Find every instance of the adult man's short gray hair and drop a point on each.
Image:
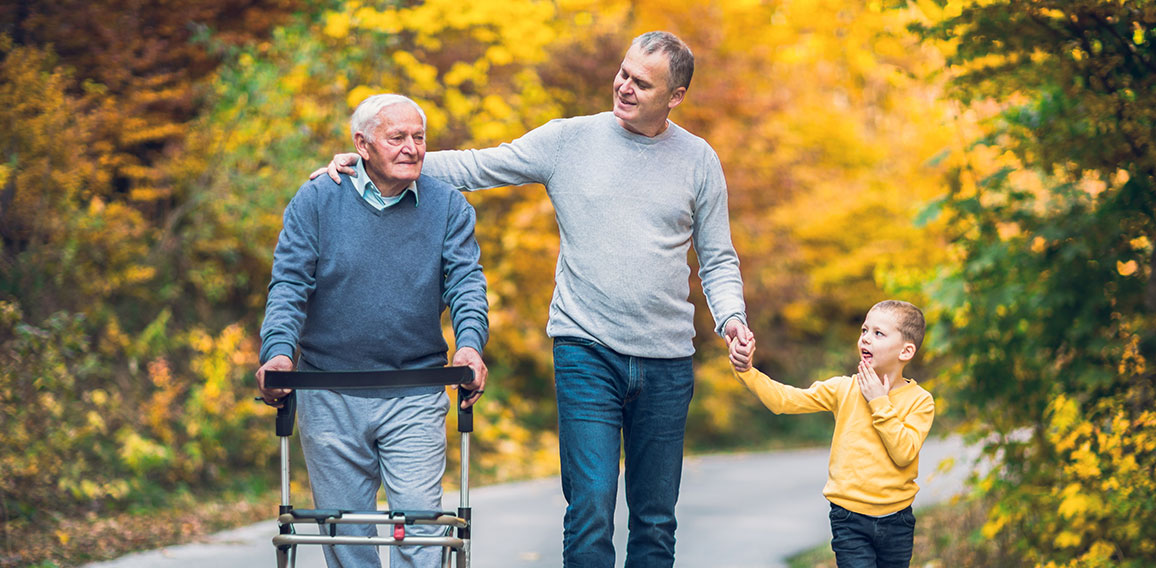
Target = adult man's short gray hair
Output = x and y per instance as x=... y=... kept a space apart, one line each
x=678 y=55
x=365 y=118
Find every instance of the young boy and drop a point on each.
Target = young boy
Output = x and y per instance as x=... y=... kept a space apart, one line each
x=881 y=420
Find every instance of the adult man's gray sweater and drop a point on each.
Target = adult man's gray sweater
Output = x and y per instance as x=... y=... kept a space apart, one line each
x=628 y=208
x=357 y=288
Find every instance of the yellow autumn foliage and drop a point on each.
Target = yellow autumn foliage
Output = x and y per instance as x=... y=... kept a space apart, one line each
x=137 y=256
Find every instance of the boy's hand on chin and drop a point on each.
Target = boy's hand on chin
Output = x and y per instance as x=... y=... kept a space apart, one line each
x=870 y=384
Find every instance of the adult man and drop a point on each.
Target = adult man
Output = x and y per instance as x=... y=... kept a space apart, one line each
x=631 y=191
x=361 y=275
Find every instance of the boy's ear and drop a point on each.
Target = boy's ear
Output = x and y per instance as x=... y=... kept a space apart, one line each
x=907 y=353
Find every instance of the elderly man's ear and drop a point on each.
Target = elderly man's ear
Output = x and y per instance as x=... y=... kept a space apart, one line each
x=361 y=144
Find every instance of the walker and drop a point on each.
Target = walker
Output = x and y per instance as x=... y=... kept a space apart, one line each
x=455 y=549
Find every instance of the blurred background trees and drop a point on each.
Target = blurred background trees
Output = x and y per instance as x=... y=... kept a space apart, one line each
x=991 y=161
x=118 y=363
x=1048 y=313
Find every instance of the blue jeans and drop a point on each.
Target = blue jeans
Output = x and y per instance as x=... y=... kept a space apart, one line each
x=862 y=541
x=604 y=397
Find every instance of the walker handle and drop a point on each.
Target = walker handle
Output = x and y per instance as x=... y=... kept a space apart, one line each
x=286 y=415
x=465 y=415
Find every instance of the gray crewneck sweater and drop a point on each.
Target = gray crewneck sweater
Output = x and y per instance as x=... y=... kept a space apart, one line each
x=628 y=209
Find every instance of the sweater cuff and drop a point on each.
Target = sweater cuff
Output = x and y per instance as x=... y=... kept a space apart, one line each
x=276 y=349
x=470 y=338
x=722 y=329
x=880 y=404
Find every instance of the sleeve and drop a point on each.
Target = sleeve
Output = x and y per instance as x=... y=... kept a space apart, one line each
x=293 y=279
x=465 y=284
x=785 y=399
x=528 y=159
x=722 y=283
x=902 y=437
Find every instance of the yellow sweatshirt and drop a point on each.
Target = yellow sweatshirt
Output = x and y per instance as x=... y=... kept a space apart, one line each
x=875 y=448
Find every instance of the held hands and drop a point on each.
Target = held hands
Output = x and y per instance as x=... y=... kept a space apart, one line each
x=870 y=384
x=274 y=397
x=741 y=343
x=469 y=357
x=341 y=164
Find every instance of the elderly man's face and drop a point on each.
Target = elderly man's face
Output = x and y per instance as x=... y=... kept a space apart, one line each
x=395 y=156
x=642 y=95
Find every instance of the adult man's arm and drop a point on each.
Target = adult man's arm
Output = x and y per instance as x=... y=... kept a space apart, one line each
x=528 y=159
x=722 y=282
x=465 y=293
x=291 y=285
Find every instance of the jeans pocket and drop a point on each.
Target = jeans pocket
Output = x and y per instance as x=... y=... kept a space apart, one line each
x=839 y=514
x=907 y=517
x=579 y=341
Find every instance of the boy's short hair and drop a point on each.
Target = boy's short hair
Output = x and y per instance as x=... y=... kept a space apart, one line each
x=908 y=316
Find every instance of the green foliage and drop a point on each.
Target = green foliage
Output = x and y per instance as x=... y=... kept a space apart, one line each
x=128 y=436
x=43 y=371
x=1086 y=71
x=1050 y=311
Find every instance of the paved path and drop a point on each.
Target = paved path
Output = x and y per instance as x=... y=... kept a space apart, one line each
x=741 y=510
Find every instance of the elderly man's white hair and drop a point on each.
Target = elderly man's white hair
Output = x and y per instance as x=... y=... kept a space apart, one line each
x=365 y=118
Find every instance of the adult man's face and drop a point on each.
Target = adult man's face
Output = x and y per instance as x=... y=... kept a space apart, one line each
x=394 y=158
x=642 y=95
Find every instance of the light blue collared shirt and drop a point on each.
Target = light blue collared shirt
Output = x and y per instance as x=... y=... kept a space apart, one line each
x=369 y=192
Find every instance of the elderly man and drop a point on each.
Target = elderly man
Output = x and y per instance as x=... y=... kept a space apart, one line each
x=632 y=191
x=361 y=275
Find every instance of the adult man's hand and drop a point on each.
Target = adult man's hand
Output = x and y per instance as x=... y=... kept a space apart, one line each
x=740 y=343
x=341 y=164
x=736 y=330
x=741 y=354
x=274 y=397
x=469 y=357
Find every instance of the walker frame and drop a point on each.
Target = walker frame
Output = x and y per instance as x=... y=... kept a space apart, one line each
x=455 y=548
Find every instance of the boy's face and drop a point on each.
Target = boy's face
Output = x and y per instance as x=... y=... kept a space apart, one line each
x=881 y=345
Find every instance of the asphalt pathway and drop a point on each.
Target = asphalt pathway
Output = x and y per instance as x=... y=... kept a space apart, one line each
x=735 y=510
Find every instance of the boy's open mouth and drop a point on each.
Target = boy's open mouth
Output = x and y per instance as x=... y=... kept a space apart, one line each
x=865 y=354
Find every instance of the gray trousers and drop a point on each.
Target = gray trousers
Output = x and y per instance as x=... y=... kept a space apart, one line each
x=353 y=444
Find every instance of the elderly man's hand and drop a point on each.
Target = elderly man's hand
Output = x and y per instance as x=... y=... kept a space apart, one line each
x=341 y=164
x=274 y=397
x=469 y=357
